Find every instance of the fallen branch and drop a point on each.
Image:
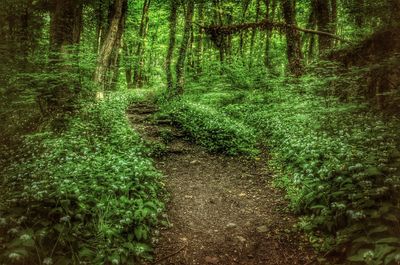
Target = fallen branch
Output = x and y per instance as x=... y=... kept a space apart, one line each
x=222 y=30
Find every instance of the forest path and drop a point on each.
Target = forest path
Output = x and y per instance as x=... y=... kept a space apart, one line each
x=223 y=210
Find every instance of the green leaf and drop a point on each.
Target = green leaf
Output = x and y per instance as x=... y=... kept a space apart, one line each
x=86 y=253
x=378 y=229
x=359 y=256
x=141 y=232
x=392 y=257
x=362 y=239
x=372 y=172
x=382 y=250
x=391 y=217
x=388 y=240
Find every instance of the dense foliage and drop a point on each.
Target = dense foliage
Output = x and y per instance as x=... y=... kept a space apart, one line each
x=89 y=194
x=212 y=130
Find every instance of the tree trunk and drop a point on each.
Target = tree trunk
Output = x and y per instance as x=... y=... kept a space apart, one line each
x=139 y=55
x=334 y=14
x=322 y=15
x=228 y=39
x=245 y=7
x=171 y=46
x=180 y=65
x=293 y=42
x=128 y=70
x=65 y=24
x=111 y=43
x=65 y=30
x=199 y=40
x=395 y=13
x=220 y=41
x=359 y=13
x=115 y=58
x=311 y=24
x=254 y=33
x=269 y=15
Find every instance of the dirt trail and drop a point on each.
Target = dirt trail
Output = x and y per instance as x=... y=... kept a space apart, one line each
x=223 y=210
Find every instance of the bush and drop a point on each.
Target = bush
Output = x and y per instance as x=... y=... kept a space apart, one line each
x=89 y=194
x=216 y=132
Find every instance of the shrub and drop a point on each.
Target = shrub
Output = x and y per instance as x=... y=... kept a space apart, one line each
x=216 y=132
x=89 y=194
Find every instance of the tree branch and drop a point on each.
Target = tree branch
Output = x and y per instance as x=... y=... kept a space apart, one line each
x=215 y=31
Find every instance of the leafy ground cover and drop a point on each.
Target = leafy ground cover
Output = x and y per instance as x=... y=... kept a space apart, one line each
x=218 y=133
x=89 y=194
x=339 y=162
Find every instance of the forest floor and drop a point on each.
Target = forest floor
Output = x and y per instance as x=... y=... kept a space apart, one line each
x=222 y=210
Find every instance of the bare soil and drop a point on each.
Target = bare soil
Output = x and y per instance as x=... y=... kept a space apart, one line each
x=222 y=210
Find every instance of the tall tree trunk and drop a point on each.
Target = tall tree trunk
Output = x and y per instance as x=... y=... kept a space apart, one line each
x=115 y=58
x=191 y=54
x=65 y=30
x=322 y=15
x=245 y=7
x=359 y=13
x=217 y=20
x=172 y=40
x=24 y=34
x=269 y=15
x=254 y=33
x=180 y=64
x=334 y=17
x=311 y=24
x=293 y=42
x=139 y=55
x=111 y=43
x=152 y=62
x=100 y=25
x=395 y=13
x=228 y=39
x=128 y=69
x=65 y=24
x=199 y=40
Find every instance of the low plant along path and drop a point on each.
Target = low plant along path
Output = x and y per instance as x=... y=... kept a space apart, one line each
x=222 y=210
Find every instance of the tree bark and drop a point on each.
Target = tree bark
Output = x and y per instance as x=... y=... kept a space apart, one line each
x=171 y=46
x=65 y=31
x=359 y=13
x=269 y=16
x=310 y=40
x=293 y=43
x=199 y=40
x=395 y=13
x=180 y=65
x=128 y=70
x=111 y=43
x=115 y=58
x=245 y=7
x=322 y=15
x=254 y=33
x=139 y=55
x=219 y=40
x=65 y=24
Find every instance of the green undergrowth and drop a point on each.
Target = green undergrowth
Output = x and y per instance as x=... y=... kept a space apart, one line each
x=339 y=162
x=213 y=130
x=87 y=196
